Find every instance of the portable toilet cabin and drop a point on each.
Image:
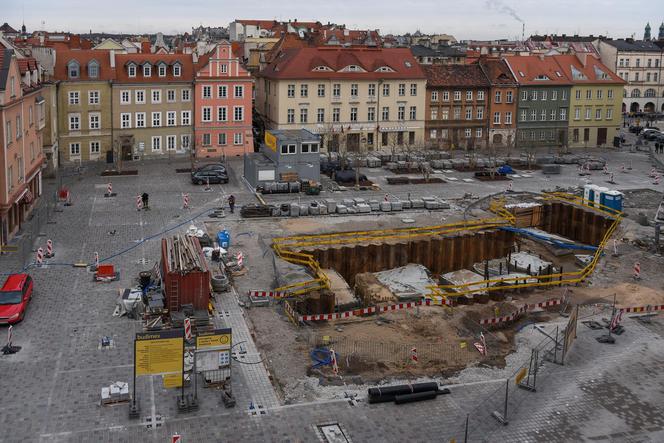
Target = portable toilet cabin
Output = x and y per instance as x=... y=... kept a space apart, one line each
x=612 y=199
x=590 y=194
x=599 y=196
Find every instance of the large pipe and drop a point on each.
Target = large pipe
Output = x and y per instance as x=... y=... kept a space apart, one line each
x=388 y=393
x=418 y=396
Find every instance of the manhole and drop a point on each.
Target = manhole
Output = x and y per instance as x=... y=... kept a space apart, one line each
x=332 y=433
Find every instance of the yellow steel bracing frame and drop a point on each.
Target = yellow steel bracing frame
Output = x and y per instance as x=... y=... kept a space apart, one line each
x=542 y=280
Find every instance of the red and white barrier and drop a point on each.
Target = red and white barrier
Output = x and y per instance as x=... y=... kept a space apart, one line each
x=49 y=248
x=648 y=308
x=521 y=310
x=40 y=256
x=364 y=311
x=333 y=358
x=96 y=259
x=653 y=172
x=413 y=354
x=109 y=189
x=185 y=201
x=9 y=336
x=187 y=328
x=637 y=270
x=139 y=202
x=657 y=179
x=272 y=294
x=239 y=258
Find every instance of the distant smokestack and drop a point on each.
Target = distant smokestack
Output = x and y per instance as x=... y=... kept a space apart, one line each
x=523 y=32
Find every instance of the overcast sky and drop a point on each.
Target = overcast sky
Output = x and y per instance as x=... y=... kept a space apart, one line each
x=468 y=19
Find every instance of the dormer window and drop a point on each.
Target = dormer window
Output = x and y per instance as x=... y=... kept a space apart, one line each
x=161 y=69
x=177 y=70
x=93 y=69
x=542 y=77
x=73 y=69
x=353 y=68
x=131 y=69
x=147 y=70
x=322 y=68
x=384 y=69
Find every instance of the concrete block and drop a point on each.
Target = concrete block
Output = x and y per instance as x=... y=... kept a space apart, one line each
x=442 y=204
x=363 y=208
x=322 y=208
x=385 y=206
x=375 y=205
x=294 y=210
x=314 y=210
x=342 y=209
x=347 y=202
x=352 y=209
x=407 y=204
x=358 y=200
x=417 y=203
x=431 y=204
x=396 y=205
x=331 y=205
x=304 y=210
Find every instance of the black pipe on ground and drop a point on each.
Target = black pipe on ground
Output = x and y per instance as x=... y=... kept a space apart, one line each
x=391 y=391
x=417 y=396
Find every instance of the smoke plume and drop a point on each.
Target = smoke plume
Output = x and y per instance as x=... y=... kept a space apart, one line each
x=499 y=6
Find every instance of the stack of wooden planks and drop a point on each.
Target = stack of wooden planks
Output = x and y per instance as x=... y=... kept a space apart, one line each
x=182 y=254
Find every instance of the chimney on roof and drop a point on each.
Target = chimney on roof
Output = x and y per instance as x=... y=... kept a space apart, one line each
x=75 y=41
x=541 y=57
x=145 y=47
x=111 y=54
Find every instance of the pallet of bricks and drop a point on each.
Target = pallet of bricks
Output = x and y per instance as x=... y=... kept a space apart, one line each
x=288 y=177
x=527 y=215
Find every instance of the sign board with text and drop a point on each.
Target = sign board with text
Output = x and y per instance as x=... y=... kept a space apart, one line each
x=159 y=352
x=216 y=339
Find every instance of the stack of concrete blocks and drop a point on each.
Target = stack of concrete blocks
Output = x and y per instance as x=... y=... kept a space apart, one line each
x=417 y=203
x=342 y=209
x=322 y=208
x=117 y=392
x=406 y=204
x=314 y=208
x=331 y=206
x=385 y=206
x=374 y=205
x=294 y=210
x=373 y=162
x=396 y=205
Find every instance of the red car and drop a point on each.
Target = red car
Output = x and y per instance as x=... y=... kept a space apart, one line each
x=15 y=295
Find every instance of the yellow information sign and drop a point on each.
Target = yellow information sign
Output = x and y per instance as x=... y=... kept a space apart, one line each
x=270 y=141
x=172 y=380
x=217 y=339
x=521 y=375
x=159 y=352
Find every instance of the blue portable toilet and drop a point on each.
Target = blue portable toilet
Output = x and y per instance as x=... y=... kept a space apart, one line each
x=224 y=239
x=613 y=199
x=590 y=194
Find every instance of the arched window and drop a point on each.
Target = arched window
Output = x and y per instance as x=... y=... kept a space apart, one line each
x=73 y=69
x=649 y=93
x=636 y=93
x=93 y=69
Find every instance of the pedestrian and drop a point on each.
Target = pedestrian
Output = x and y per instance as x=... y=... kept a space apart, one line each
x=231 y=202
x=144 y=198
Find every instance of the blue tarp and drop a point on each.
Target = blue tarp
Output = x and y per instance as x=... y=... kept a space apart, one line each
x=557 y=243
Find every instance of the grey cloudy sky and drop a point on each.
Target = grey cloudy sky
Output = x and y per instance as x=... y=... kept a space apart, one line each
x=477 y=19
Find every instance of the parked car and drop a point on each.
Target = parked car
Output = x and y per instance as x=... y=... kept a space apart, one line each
x=211 y=167
x=211 y=176
x=635 y=129
x=15 y=295
x=651 y=134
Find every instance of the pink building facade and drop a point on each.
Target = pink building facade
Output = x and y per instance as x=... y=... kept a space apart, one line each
x=22 y=116
x=222 y=105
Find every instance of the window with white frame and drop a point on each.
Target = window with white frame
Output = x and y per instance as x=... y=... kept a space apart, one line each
x=469 y=95
x=207 y=92
x=186 y=95
x=589 y=94
x=563 y=95
x=207 y=114
x=445 y=114
x=609 y=114
x=320 y=115
x=291 y=91
x=161 y=69
x=434 y=113
x=609 y=94
x=288 y=149
x=401 y=112
x=598 y=114
x=207 y=139
x=478 y=133
x=147 y=70
x=93 y=121
x=563 y=114
x=222 y=113
x=336 y=115
x=184 y=141
x=457 y=113
x=140 y=119
x=237 y=138
x=508 y=118
x=524 y=96
x=533 y=114
x=588 y=113
x=413 y=89
x=95 y=147
x=480 y=113
x=446 y=96
x=372 y=90
x=434 y=96
x=386 y=90
x=354 y=90
x=433 y=134
x=221 y=139
x=239 y=91
x=402 y=89
x=304 y=115
x=543 y=115
x=224 y=68
x=156 y=119
x=545 y=95
x=74 y=97
x=125 y=97
x=469 y=113
x=177 y=70
x=171 y=142
x=468 y=132
x=413 y=113
x=125 y=120
x=74 y=122
x=185 y=118
x=534 y=95
x=171 y=117
x=508 y=97
x=222 y=91
x=498 y=97
x=353 y=114
x=524 y=115
x=496 y=118
x=139 y=96
x=290 y=116
x=132 y=70
x=238 y=113
x=599 y=94
x=554 y=95
x=170 y=95
x=156 y=96
x=93 y=97
x=336 y=90
x=321 y=90
x=74 y=149
x=480 y=95
x=577 y=113
x=457 y=95
x=156 y=143
x=552 y=115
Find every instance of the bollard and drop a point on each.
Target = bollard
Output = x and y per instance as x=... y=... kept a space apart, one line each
x=40 y=256
x=49 y=249
x=185 y=201
x=139 y=203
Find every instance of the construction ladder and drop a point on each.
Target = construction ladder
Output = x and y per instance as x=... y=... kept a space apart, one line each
x=174 y=296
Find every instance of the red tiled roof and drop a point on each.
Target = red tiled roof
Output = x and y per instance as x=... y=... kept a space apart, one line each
x=592 y=69
x=185 y=60
x=537 y=70
x=298 y=63
x=26 y=64
x=264 y=24
x=83 y=57
x=455 y=75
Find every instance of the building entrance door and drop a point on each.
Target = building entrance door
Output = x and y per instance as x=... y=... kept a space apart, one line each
x=353 y=142
x=601 y=136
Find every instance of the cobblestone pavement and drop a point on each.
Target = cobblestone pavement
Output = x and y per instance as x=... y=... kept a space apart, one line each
x=51 y=388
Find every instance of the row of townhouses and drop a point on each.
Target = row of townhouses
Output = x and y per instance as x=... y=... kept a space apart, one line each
x=362 y=99
x=143 y=105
